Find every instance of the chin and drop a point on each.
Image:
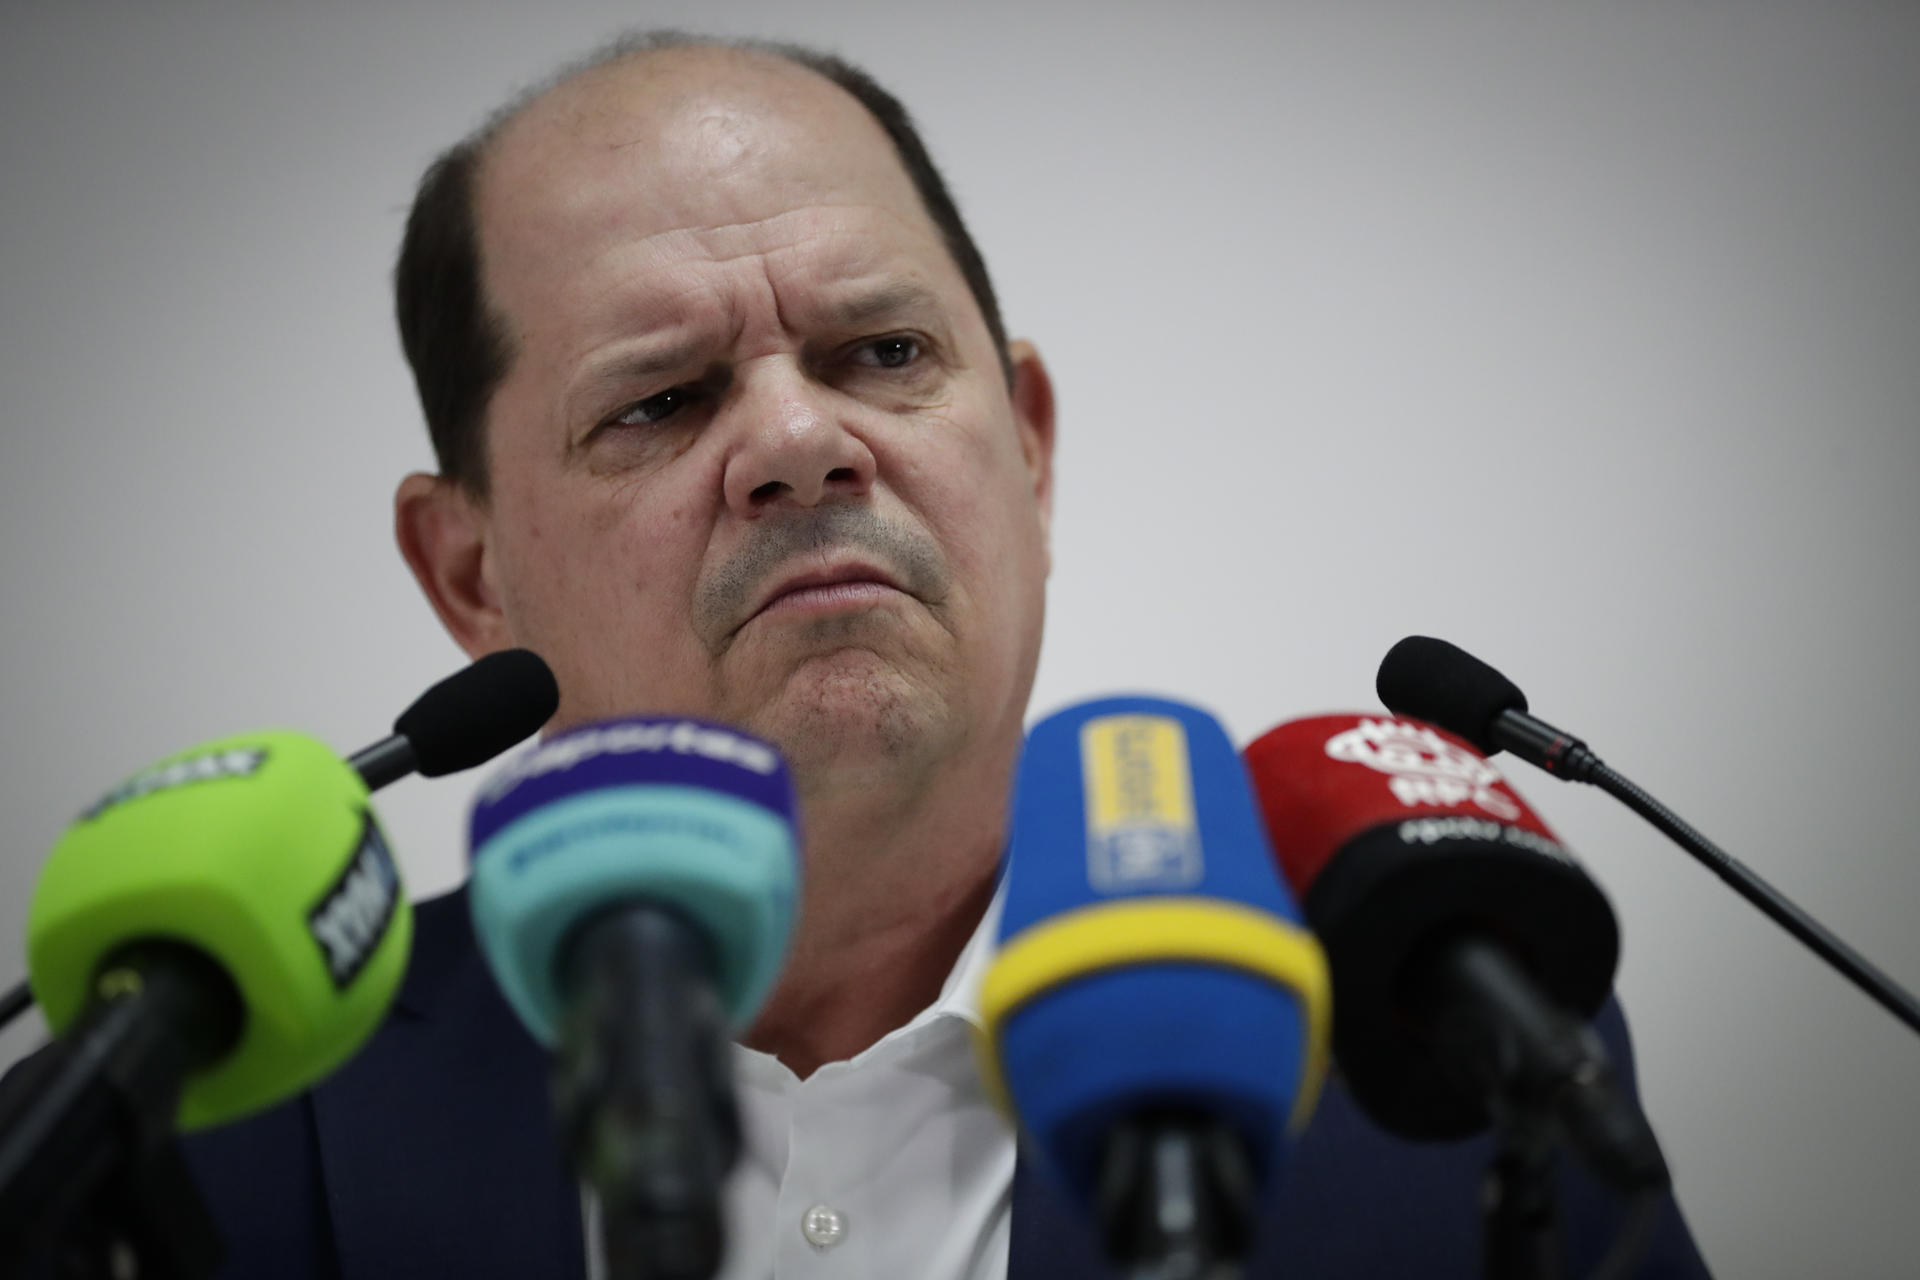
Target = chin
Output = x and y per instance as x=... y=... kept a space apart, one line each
x=855 y=712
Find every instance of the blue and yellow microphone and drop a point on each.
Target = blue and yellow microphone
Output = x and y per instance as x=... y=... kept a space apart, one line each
x=1157 y=1018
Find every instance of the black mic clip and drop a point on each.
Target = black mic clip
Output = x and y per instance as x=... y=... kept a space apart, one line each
x=1544 y=746
x=91 y=1176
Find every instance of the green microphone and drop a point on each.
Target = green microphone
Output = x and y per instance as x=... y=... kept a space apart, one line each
x=259 y=853
x=214 y=935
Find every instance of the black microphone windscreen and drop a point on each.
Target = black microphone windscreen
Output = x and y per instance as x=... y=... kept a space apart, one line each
x=1443 y=684
x=473 y=715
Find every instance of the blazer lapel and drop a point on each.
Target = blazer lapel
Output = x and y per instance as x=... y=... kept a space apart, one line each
x=436 y=1146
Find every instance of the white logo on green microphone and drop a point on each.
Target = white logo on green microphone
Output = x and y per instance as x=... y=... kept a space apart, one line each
x=234 y=762
x=351 y=919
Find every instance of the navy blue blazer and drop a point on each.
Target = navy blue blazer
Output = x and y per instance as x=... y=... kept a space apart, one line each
x=432 y=1154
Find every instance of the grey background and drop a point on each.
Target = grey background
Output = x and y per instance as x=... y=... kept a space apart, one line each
x=1585 y=336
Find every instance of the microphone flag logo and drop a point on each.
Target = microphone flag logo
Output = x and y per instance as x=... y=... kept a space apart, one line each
x=1423 y=767
x=1141 y=832
x=206 y=766
x=350 y=921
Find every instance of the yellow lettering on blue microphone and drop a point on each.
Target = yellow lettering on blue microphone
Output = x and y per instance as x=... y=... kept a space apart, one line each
x=1141 y=834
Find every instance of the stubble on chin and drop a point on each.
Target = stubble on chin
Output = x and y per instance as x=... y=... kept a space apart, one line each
x=856 y=706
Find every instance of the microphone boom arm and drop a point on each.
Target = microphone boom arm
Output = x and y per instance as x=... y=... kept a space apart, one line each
x=1565 y=756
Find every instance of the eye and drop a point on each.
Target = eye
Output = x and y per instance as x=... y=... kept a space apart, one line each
x=894 y=352
x=657 y=408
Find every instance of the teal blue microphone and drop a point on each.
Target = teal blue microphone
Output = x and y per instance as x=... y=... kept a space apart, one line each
x=633 y=891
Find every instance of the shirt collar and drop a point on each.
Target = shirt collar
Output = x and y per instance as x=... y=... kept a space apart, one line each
x=960 y=995
x=957 y=1006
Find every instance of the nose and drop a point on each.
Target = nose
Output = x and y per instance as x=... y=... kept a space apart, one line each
x=794 y=447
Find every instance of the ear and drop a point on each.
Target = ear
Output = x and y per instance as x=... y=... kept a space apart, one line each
x=1033 y=419
x=443 y=535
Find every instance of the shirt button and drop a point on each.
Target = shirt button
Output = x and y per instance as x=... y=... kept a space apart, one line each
x=823 y=1227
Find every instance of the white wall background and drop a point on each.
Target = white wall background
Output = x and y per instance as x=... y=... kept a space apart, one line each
x=1586 y=336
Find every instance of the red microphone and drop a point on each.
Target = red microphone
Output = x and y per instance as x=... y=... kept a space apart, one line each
x=1467 y=947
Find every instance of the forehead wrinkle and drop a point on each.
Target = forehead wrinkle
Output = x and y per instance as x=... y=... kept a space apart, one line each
x=859 y=279
x=811 y=212
x=633 y=268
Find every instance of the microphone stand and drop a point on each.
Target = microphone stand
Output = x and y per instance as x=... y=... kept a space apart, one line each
x=91 y=1175
x=642 y=1092
x=1520 y=1228
x=1544 y=1078
x=1175 y=1198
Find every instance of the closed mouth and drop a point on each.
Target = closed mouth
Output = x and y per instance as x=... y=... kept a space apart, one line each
x=839 y=586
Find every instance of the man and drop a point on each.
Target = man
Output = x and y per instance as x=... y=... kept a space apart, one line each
x=755 y=457
x=728 y=426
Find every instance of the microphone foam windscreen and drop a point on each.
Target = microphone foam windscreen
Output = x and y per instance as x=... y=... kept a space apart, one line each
x=678 y=813
x=261 y=852
x=476 y=713
x=1399 y=838
x=1443 y=684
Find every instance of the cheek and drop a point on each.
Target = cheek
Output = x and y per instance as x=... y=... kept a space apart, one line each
x=598 y=577
x=997 y=488
x=979 y=502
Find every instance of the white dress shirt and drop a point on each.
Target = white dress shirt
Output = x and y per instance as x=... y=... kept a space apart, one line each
x=890 y=1165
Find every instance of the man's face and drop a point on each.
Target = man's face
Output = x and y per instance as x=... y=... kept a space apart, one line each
x=754 y=458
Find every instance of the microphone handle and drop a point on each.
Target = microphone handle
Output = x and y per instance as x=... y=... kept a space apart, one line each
x=1175 y=1197
x=386 y=761
x=17 y=1000
x=1532 y=1061
x=98 y=1103
x=643 y=1089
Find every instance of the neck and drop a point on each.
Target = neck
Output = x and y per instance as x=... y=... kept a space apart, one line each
x=889 y=901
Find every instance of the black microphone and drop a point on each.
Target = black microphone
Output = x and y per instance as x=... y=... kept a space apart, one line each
x=1433 y=680
x=1443 y=684
x=465 y=720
